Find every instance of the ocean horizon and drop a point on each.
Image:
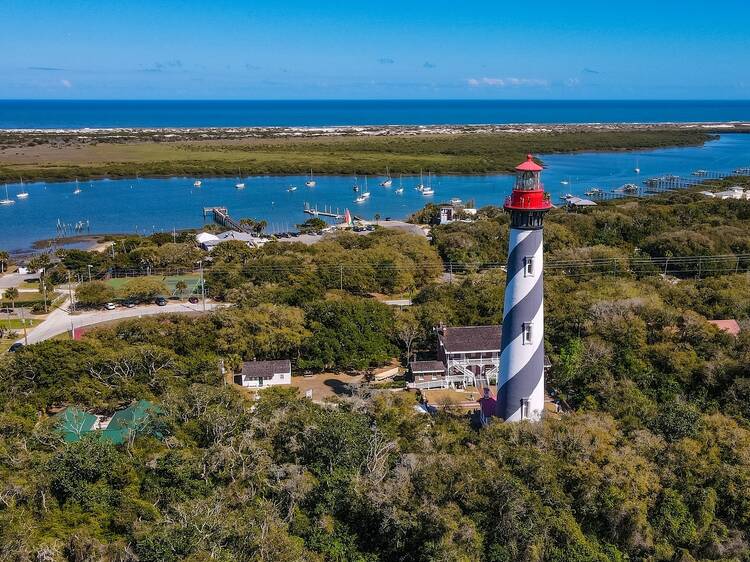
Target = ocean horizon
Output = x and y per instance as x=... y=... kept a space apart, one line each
x=78 y=114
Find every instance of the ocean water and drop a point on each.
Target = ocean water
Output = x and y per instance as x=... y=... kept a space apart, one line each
x=153 y=205
x=27 y=114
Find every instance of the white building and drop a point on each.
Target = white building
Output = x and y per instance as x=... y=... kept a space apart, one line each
x=260 y=374
x=467 y=356
x=209 y=241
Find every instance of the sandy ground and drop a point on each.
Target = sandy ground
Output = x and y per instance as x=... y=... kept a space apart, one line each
x=326 y=385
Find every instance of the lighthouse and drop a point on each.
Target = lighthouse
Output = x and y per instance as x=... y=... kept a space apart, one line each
x=520 y=384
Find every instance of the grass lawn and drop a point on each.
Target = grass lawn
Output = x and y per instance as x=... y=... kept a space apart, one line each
x=15 y=325
x=192 y=281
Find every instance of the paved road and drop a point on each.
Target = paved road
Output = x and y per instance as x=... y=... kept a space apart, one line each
x=14 y=280
x=59 y=321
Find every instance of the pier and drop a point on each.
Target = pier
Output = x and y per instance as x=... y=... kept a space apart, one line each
x=663 y=184
x=221 y=216
x=327 y=212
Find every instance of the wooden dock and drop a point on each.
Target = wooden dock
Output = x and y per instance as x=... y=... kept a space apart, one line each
x=327 y=212
x=221 y=216
x=664 y=184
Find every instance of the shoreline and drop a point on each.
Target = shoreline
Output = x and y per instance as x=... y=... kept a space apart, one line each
x=394 y=129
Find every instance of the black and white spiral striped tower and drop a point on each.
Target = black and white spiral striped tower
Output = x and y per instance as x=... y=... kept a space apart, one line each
x=520 y=384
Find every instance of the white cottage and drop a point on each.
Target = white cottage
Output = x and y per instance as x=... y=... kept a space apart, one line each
x=260 y=374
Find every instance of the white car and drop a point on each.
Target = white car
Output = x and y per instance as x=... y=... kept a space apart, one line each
x=110 y=306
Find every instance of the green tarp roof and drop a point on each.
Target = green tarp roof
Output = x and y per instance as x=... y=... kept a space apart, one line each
x=76 y=423
x=132 y=418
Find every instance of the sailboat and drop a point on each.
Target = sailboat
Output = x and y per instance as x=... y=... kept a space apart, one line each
x=420 y=186
x=77 y=190
x=366 y=192
x=240 y=184
x=400 y=189
x=637 y=168
x=23 y=194
x=311 y=182
x=388 y=181
x=292 y=188
x=364 y=196
x=355 y=186
x=197 y=183
x=427 y=190
x=565 y=181
x=7 y=200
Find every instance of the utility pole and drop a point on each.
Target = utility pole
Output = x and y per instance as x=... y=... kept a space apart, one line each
x=23 y=323
x=70 y=293
x=203 y=288
x=44 y=292
x=89 y=268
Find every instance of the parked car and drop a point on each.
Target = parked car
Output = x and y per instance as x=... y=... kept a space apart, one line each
x=161 y=301
x=128 y=304
x=193 y=299
x=110 y=306
x=15 y=347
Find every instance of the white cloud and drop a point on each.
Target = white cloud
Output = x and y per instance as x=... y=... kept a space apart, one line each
x=507 y=82
x=66 y=83
x=572 y=82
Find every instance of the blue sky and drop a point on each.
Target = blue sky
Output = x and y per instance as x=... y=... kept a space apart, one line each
x=223 y=49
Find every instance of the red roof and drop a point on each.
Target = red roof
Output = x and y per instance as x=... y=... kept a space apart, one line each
x=728 y=326
x=529 y=165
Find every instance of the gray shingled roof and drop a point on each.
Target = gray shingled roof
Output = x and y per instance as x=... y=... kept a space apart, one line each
x=265 y=369
x=470 y=338
x=427 y=367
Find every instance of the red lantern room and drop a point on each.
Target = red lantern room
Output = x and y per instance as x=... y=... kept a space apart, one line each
x=528 y=197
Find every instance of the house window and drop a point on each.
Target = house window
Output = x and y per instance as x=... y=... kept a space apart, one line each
x=524 y=408
x=281 y=376
x=527 y=333
x=260 y=381
x=528 y=266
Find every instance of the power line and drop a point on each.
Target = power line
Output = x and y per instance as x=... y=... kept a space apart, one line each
x=633 y=265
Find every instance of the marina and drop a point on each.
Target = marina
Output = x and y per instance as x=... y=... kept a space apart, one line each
x=146 y=205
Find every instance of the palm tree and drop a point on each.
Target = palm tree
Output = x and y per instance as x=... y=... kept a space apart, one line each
x=4 y=257
x=11 y=294
x=180 y=286
x=260 y=226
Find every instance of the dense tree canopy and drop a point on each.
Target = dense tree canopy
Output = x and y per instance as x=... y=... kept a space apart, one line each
x=649 y=461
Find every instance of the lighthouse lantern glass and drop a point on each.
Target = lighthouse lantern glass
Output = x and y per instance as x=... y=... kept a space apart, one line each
x=527 y=181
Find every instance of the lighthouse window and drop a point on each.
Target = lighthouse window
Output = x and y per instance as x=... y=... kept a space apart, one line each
x=524 y=409
x=528 y=266
x=527 y=333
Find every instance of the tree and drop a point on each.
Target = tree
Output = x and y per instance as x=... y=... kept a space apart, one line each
x=349 y=333
x=11 y=294
x=94 y=293
x=257 y=226
x=312 y=225
x=266 y=331
x=408 y=330
x=143 y=288
x=4 y=259
x=181 y=287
